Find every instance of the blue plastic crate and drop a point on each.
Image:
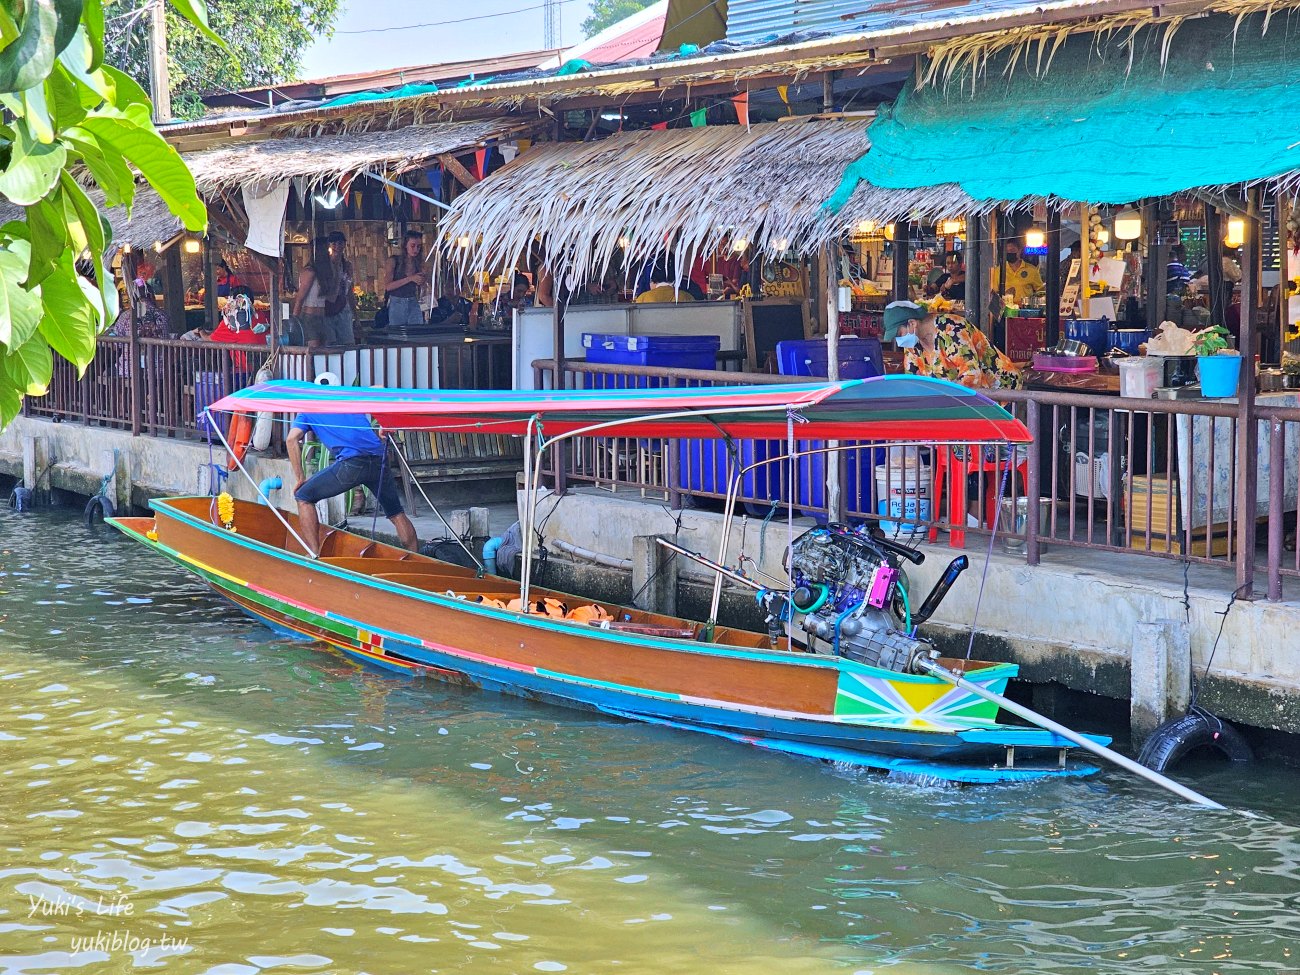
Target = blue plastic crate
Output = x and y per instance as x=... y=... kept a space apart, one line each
x=703 y=467
x=673 y=351
x=860 y=358
x=810 y=478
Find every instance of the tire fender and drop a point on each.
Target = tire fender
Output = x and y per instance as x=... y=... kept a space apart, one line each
x=265 y=422
x=1175 y=739
x=98 y=508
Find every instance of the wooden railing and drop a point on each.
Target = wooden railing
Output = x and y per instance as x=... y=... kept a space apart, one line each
x=160 y=387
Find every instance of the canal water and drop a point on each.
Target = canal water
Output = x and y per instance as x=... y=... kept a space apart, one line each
x=185 y=792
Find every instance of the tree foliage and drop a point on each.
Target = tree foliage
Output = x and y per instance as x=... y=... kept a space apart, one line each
x=265 y=42
x=70 y=122
x=606 y=13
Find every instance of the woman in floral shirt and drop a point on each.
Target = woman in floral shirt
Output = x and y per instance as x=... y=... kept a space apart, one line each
x=949 y=347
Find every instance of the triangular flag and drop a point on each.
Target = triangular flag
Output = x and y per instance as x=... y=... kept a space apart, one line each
x=524 y=144
x=784 y=92
x=741 y=102
x=433 y=175
x=660 y=126
x=356 y=199
x=699 y=117
x=392 y=193
x=508 y=153
x=480 y=163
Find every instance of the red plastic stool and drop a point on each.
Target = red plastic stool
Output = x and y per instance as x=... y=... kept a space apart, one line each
x=951 y=471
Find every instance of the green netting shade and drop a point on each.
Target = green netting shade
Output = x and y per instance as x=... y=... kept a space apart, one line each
x=1220 y=110
x=406 y=91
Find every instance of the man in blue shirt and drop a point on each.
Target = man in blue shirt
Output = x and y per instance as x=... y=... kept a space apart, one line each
x=359 y=460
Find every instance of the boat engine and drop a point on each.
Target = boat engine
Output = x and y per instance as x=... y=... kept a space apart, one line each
x=850 y=594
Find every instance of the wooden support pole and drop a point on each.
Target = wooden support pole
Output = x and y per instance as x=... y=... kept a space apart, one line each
x=1247 y=435
x=458 y=170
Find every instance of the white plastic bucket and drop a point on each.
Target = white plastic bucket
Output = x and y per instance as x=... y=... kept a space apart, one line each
x=903 y=492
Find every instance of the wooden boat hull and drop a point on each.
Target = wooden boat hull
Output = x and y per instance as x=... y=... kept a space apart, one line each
x=802 y=702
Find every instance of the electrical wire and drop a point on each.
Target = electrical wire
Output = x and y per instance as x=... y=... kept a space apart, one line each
x=446 y=23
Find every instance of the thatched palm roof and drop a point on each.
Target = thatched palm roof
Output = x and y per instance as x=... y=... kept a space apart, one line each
x=692 y=190
x=149 y=222
x=327 y=158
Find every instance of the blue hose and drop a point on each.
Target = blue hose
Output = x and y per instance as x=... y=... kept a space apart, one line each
x=841 y=618
x=490 y=555
x=268 y=485
x=907 y=609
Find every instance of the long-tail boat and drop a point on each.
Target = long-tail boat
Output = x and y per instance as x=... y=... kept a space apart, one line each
x=841 y=673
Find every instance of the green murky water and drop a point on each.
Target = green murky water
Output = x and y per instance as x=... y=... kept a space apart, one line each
x=172 y=770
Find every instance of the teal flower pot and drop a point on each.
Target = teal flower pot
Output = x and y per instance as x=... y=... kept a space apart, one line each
x=1219 y=374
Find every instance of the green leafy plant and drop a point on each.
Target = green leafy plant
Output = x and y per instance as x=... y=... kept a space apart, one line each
x=70 y=122
x=264 y=42
x=1211 y=341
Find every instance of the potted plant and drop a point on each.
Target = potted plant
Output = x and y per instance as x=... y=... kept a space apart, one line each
x=1218 y=364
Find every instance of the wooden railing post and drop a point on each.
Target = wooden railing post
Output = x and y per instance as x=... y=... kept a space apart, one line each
x=1033 y=484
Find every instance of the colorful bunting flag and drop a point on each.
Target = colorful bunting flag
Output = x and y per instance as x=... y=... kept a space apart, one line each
x=741 y=102
x=480 y=163
x=659 y=126
x=784 y=92
x=699 y=117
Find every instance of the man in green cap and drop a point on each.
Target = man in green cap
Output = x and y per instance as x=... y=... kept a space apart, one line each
x=898 y=314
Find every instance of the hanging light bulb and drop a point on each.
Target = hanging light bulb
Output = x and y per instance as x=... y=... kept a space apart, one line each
x=889 y=231
x=1236 y=232
x=739 y=245
x=1128 y=225
x=192 y=246
x=866 y=226
x=625 y=242
x=1103 y=237
x=1035 y=237
x=463 y=242
x=952 y=228
x=781 y=245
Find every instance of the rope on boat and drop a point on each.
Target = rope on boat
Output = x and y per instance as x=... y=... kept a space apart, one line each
x=414 y=480
x=257 y=487
x=988 y=556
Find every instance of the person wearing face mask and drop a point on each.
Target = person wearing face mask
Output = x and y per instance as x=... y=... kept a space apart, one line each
x=1022 y=279
x=948 y=347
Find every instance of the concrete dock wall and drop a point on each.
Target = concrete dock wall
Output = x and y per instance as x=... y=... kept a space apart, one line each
x=78 y=457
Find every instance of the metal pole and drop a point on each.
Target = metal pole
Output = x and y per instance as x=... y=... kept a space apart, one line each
x=1053 y=282
x=835 y=501
x=943 y=673
x=710 y=564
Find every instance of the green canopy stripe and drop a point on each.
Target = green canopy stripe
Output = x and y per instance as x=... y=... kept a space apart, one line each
x=1114 y=118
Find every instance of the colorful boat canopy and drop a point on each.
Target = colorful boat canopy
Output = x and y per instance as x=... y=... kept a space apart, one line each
x=890 y=408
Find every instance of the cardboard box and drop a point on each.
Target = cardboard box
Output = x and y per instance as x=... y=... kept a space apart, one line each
x=1166 y=535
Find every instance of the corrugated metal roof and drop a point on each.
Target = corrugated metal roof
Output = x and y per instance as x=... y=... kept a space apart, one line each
x=756 y=20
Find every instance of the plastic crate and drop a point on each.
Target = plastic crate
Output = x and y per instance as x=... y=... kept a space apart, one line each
x=810 y=478
x=705 y=467
x=674 y=351
x=859 y=358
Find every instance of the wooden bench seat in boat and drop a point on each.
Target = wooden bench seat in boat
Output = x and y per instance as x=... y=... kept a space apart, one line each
x=461 y=587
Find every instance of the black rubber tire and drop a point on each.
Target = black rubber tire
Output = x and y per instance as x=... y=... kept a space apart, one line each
x=21 y=499
x=1175 y=739
x=97 y=509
